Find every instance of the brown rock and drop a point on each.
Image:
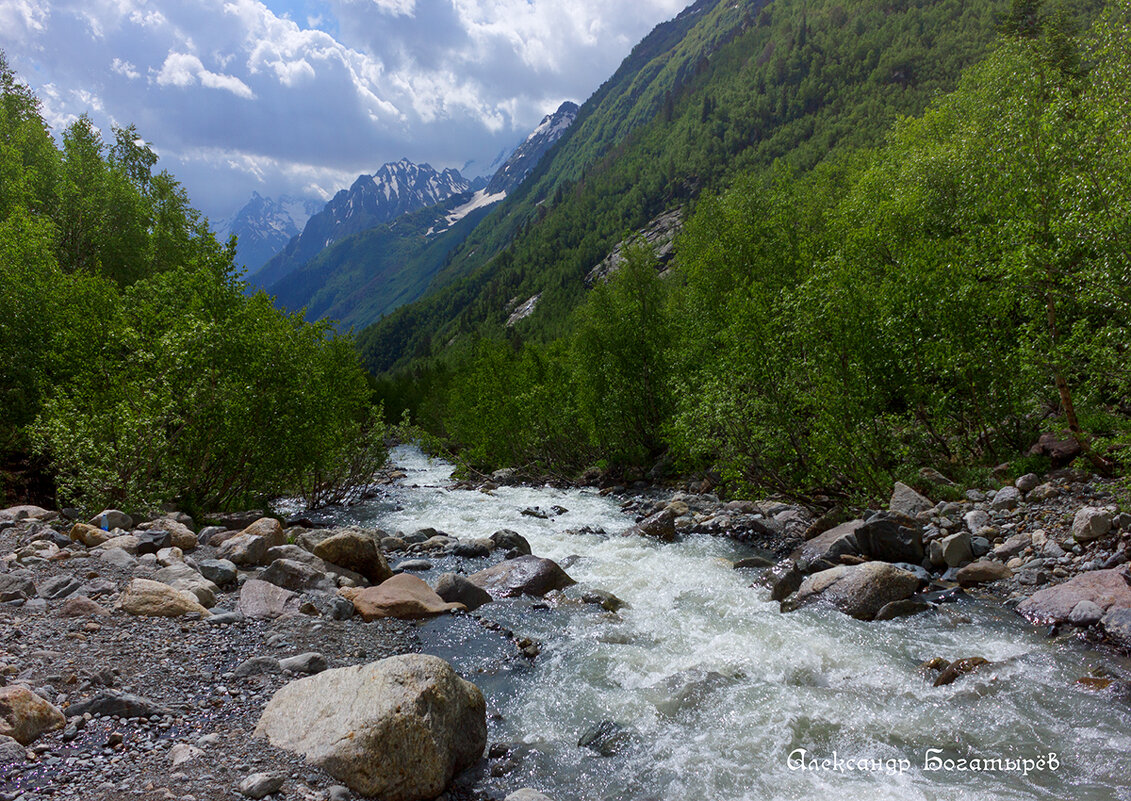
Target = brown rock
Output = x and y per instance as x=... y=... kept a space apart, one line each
x=1107 y=589
x=24 y=715
x=270 y=529
x=403 y=596
x=355 y=551
x=88 y=535
x=857 y=590
x=959 y=667
x=660 y=526
x=982 y=571
x=81 y=606
x=153 y=599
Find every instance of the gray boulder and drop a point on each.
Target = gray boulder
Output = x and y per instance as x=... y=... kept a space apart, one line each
x=857 y=590
x=526 y=575
x=357 y=551
x=455 y=588
x=824 y=550
x=1090 y=524
x=906 y=501
x=264 y=601
x=891 y=537
x=1107 y=589
x=507 y=540
x=398 y=729
x=296 y=576
x=1005 y=499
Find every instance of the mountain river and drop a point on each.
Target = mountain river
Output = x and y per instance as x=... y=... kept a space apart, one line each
x=710 y=693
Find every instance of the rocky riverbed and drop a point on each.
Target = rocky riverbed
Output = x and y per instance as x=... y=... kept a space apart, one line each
x=139 y=656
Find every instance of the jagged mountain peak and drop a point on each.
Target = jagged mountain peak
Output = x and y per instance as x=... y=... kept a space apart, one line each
x=527 y=155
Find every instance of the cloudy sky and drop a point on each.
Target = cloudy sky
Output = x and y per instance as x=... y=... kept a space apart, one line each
x=301 y=96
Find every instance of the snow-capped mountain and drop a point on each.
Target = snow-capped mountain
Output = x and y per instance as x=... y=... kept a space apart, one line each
x=527 y=155
x=264 y=226
x=395 y=189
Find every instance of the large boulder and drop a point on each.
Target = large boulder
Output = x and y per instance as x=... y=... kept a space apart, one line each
x=857 y=590
x=244 y=550
x=398 y=729
x=269 y=528
x=180 y=535
x=1090 y=524
x=155 y=599
x=506 y=540
x=264 y=601
x=824 y=550
x=660 y=526
x=525 y=575
x=296 y=576
x=455 y=588
x=1107 y=589
x=356 y=551
x=182 y=577
x=403 y=596
x=891 y=537
x=88 y=535
x=24 y=715
x=906 y=501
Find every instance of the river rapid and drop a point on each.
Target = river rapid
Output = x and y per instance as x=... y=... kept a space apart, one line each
x=714 y=694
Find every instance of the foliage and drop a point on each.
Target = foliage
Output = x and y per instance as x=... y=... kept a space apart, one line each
x=130 y=356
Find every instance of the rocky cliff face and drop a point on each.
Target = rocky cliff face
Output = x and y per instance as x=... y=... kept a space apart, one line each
x=264 y=226
x=527 y=155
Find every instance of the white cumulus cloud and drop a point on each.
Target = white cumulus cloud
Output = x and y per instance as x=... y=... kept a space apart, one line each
x=184 y=69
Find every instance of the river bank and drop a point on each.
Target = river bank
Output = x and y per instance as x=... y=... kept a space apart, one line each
x=697 y=686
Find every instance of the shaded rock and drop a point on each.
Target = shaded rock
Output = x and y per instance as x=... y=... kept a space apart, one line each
x=753 y=562
x=118 y=704
x=110 y=519
x=1085 y=613
x=296 y=576
x=825 y=550
x=180 y=535
x=982 y=571
x=152 y=541
x=90 y=536
x=59 y=587
x=1107 y=589
x=472 y=550
x=1027 y=482
x=660 y=526
x=906 y=501
x=784 y=579
x=455 y=588
x=24 y=716
x=11 y=752
x=526 y=575
x=398 y=729
x=263 y=600
x=891 y=537
x=403 y=596
x=857 y=590
x=155 y=599
x=1061 y=451
x=904 y=608
x=606 y=600
x=236 y=521
x=81 y=606
x=1090 y=524
x=16 y=586
x=508 y=540
x=355 y=551
x=219 y=571
x=414 y=566
x=1005 y=499
x=1117 y=626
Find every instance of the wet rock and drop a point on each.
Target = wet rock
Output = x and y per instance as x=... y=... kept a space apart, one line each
x=403 y=596
x=472 y=550
x=889 y=537
x=1090 y=524
x=1117 y=626
x=959 y=667
x=262 y=600
x=356 y=551
x=785 y=578
x=117 y=704
x=825 y=550
x=526 y=575
x=399 y=729
x=904 y=608
x=88 y=535
x=606 y=600
x=81 y=606
x=261 y=785
x=1106 y=588
x=455 y=588
x=906 y=501
x=685 y=690
x=507 y=540
x=1085 y=613
x=538 y=512
x=753 y=562
x=148 y=598
x=857 y=590
x=24 y=716
x=606 y=738
x=527 y=794
x=660 y=526
x=414 y=566
x=982 y=571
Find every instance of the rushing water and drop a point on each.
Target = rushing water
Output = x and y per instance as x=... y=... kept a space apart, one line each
x=715 y=688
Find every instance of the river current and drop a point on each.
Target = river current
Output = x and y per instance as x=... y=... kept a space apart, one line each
x=710 y=693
